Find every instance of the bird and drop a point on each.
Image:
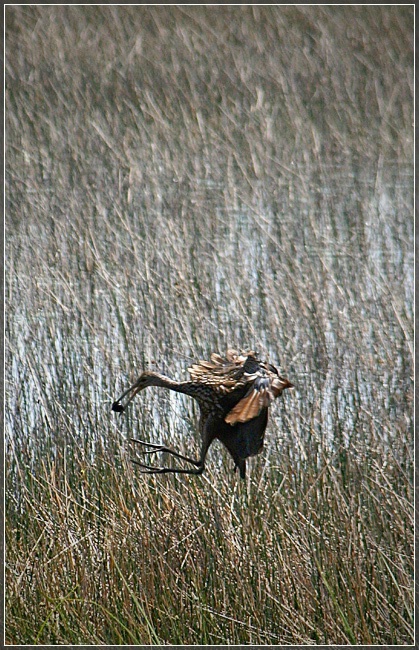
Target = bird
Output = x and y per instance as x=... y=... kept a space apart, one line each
x=234 y=393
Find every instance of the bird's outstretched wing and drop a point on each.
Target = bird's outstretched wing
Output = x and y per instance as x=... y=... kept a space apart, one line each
x=222 y=374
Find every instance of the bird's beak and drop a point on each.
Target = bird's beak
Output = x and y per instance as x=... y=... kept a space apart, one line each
x=135 y=388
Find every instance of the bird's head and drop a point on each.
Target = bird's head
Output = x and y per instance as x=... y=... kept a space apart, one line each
x=147 y=378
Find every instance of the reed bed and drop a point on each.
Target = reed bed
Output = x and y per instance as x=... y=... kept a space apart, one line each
x=180 y=180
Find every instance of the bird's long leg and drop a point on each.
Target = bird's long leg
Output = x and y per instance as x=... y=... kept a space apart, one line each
x=147 y=469
x=156 y=448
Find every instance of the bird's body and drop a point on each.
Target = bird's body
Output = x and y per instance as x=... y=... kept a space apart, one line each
x=233 y=393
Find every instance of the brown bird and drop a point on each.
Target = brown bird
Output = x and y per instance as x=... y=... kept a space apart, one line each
x=233 y=394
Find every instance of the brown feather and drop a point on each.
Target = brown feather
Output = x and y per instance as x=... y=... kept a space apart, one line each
x=249 y=407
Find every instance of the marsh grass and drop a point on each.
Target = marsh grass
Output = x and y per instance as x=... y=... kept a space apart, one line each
x=180 y=180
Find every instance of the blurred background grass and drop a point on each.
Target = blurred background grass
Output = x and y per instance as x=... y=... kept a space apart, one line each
x=180 y=180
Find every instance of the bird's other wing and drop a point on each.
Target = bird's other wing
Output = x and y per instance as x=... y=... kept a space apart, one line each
x=258 y=397
x=264 y=385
